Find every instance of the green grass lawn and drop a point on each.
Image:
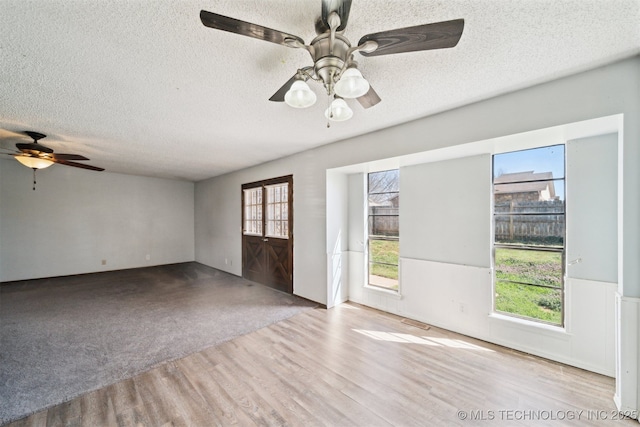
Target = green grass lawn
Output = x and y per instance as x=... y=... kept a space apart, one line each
x=512 y=265
x=386 y=251
x=537 y=267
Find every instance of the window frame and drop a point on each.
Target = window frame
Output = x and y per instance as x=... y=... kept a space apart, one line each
x=542 y=248
x=368 y=216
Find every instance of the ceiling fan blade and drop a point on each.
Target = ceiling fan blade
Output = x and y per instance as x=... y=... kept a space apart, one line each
x=438 y=35
x=341 y=7
x=369 y=99
x=77 y=165
x=68 y=157
x=32 y=146
x=232 y=25
x=279 y=95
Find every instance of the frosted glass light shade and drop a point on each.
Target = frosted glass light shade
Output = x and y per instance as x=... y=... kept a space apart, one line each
x=351 y=84
x=300 y=95
x=338 y=111
x=34 y=162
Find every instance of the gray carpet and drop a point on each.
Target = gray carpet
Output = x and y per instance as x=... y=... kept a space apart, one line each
x=62 y=337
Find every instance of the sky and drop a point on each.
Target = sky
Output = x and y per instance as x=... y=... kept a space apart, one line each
x=544 y=159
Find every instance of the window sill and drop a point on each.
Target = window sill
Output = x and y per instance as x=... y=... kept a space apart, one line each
x=386 y=292
x=524 y=324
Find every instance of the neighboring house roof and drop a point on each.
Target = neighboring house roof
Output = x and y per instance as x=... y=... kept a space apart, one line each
x=525 y=182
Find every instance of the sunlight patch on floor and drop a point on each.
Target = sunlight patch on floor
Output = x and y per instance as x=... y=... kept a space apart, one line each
x=412 y=339
x=448 y=342
x=395 y=337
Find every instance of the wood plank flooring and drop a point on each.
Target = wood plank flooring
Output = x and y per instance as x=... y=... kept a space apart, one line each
x=347 y=366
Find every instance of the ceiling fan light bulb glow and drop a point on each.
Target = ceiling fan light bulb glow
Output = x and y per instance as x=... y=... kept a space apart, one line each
x=351 y=84
x=338 y=111
x=300 y=95
x=34 y=162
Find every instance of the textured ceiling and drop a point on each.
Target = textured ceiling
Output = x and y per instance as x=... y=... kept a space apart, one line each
x=142 y=87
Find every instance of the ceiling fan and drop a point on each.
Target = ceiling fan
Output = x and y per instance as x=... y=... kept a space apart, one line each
x=332 y=54
x=36 y=156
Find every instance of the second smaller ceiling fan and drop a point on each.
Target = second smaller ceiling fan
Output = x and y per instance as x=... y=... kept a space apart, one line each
x=36 y=156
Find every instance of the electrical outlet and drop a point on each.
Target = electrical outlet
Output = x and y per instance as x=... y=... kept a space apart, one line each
x=226 y=261
x=462 y=308
x=104 y=262
x=148 y=257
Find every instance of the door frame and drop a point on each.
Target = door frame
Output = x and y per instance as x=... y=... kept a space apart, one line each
x=264 y=183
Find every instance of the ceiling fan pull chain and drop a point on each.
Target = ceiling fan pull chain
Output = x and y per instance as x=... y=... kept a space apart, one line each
x=34 y=179
x=330 y=111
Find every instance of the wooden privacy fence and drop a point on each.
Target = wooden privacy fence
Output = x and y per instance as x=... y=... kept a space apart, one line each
x=383 y=221
x=530 y=221
x=515 y=221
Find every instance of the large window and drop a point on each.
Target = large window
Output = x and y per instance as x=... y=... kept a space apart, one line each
x=384 y=232
x=529 y=230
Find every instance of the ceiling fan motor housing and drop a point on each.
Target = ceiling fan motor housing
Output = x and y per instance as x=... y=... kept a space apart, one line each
x=329 y=60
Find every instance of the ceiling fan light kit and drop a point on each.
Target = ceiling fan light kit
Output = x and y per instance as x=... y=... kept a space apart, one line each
x=332 y=54
x=338 y=111
x=300 y=95
x=351 y=84
x=34 y=162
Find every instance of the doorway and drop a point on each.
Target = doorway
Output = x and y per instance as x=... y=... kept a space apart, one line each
x=267 y=232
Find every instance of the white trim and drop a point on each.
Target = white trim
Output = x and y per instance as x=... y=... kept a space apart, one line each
x=386 y=292
x=544 y=328
x=627 y=315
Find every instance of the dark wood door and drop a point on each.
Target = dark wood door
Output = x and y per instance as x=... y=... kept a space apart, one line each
x=267 y=232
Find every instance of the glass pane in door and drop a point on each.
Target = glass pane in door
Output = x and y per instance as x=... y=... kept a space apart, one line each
x=277 y=220
x=253 y=211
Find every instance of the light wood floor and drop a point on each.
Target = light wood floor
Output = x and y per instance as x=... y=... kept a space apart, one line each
x=348 y=366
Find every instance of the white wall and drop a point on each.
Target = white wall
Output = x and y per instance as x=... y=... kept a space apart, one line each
x=445 y=214
x=76 y=218
x=592 y=206
x=337 y=239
